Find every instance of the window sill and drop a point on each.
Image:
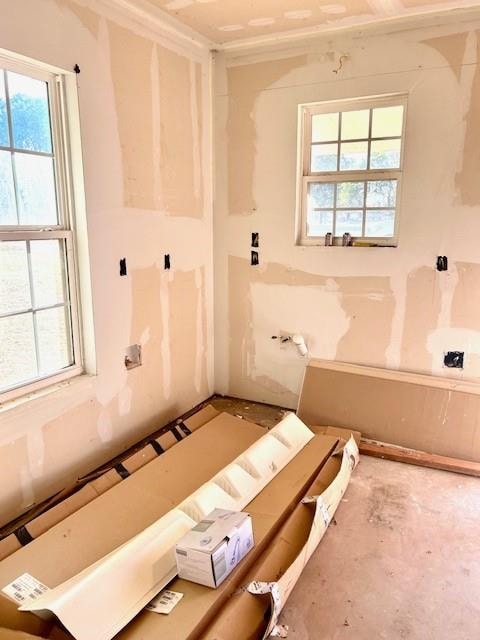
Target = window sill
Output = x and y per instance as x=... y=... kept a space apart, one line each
x=77 y=384
x=322 y=245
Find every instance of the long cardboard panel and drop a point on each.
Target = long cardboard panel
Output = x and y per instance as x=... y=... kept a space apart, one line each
x=324 y=506
x=268 y=510
x=129 y=577
x=123 y=511
x=44 y=516
x=252 y=613
x=411 y=410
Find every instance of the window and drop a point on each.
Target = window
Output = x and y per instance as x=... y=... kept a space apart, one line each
x=351 y=167
x=39 y=332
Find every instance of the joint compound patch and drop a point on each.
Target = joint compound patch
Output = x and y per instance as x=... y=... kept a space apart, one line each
x=24 y=589
x=165 y=602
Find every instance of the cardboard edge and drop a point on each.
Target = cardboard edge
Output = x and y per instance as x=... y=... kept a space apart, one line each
x=340 y=432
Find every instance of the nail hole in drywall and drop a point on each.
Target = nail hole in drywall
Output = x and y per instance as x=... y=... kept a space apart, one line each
x=254 y=261
x=255 y=239
x=123 y=267
x=133 y=356
x=166 y=261
x=454 y=359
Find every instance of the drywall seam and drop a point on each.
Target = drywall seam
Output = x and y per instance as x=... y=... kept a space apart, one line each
x=156 y=122
x=131 y=575
x=165 y=343
x=200 y=351
x=386 y=23
x=241 y=126
x=196 y=130
x=467 y=178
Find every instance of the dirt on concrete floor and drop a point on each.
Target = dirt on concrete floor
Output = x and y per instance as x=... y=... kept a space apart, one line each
x=403 y=560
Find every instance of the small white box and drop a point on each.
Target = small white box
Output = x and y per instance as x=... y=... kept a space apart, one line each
x=214 y=547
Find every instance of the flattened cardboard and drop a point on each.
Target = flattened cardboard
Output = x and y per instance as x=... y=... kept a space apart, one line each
x=266 y=525
x=248 y=616
x=109 y=478
x=268 y=510
x=166 y=440
x=325 y=505
x=338 y=432
x=9 y=545
x=139 y=459
x=8 y=634
x=125 y=510
x=200 y=417
x=105 y=482
x=133 y=573
x=60 y=511
x=421 y=412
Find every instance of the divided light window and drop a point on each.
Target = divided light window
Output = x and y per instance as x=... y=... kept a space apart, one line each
x=39 y=339
x=351 y=168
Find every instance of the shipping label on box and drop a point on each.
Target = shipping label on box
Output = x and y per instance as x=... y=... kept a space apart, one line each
x=214 y=547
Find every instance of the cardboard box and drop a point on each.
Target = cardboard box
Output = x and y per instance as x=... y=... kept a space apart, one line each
x=212 y=549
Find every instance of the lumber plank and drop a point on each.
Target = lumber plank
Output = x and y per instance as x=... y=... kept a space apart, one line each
x=421 y=458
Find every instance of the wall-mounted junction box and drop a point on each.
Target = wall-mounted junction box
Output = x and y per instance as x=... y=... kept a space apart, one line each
x=453 y=359
x=133 y=356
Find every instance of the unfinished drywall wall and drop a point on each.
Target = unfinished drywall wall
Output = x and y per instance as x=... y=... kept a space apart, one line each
x=144 y=103
x=385 y=307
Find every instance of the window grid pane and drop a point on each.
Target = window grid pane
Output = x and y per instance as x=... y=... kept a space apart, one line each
x=39 y=333
x=35 y=328
x=27 y=169
x=4 y=128
x=361 y=208
x=362 y=142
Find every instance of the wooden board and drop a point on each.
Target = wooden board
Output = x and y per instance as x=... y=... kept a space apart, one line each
x=420 y=458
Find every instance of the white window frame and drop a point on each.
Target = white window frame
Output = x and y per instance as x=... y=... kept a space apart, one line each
x=305 y=176
x=65 y=229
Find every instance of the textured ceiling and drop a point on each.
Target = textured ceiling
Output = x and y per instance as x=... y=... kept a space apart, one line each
x=224 y=21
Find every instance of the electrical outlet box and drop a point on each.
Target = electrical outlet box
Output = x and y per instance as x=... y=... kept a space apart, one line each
x=133 y=356
x=453 y=359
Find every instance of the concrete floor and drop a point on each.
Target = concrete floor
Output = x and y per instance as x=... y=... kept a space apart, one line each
x=403 y=560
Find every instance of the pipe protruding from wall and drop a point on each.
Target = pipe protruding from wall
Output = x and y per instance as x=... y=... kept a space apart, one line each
x=299 y=342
